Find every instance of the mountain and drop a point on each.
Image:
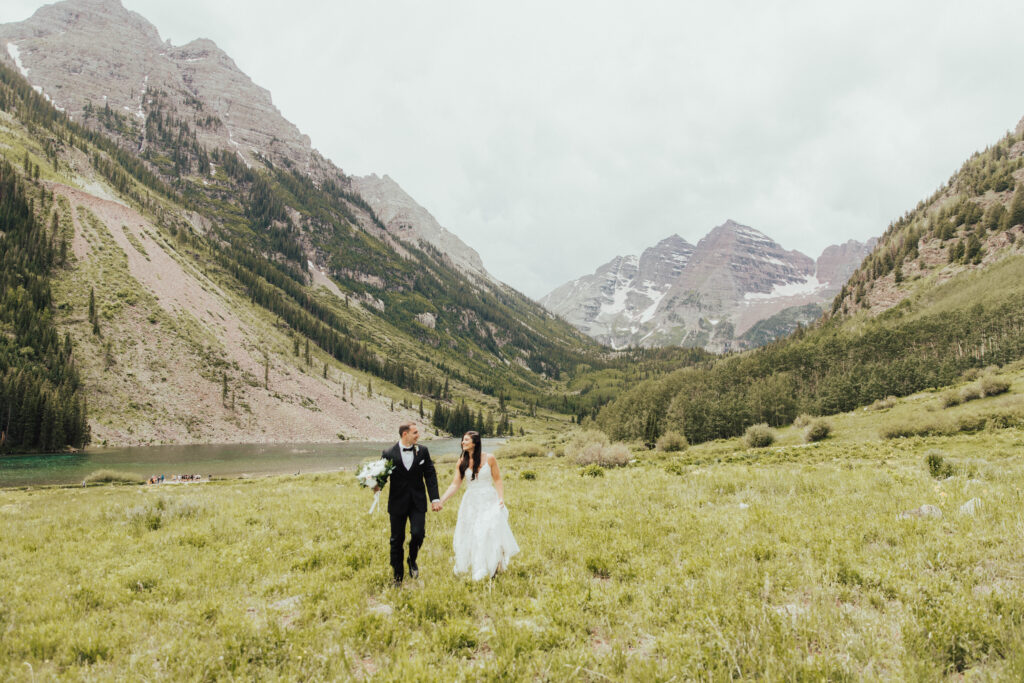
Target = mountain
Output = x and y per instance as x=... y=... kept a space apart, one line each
x=98 y=61
x=622 y=293
x=211 y=278
x=709 y=295
x=935 y=303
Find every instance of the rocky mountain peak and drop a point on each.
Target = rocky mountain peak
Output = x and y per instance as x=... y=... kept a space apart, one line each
x=705 y=295
x=95 y=54
x=90 y=15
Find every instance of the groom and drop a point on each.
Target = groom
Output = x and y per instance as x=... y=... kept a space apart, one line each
x=406 y=499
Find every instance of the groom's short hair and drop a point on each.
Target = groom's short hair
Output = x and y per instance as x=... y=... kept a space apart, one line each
x=404 y=427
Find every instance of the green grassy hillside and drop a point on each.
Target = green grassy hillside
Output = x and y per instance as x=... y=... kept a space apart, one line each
x=939 y=296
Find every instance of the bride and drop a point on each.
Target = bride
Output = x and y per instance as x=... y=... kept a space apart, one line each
x=483 y=540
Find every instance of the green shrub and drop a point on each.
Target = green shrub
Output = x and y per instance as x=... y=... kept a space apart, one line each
x=672 y=442
x=970 y=374
x=802 y=420
x=529 y=475
x=1006 y=419
x=993 y=386
x=883 y=403
x=522 y=449
x=970 y=393
x=113 y=477
x=937 y=465
x=900 y=430
x=616 y=455
x=951 y=398
x=759 y=436
x=675 y=468
x=581 y=441
x=593 y=448
x=971 y=423
x=819 y=430
x=592 y=471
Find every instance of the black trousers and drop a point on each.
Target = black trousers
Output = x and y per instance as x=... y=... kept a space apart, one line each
x=417 y=532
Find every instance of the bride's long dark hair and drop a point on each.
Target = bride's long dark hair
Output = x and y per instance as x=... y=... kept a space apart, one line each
x=465 y=460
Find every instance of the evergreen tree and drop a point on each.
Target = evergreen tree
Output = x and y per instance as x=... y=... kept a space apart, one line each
x=972 y=252
x=993 y=217
x=1015 y=214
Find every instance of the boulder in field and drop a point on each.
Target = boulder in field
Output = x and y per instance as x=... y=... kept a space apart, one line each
x=923 y=511
x=971 y=506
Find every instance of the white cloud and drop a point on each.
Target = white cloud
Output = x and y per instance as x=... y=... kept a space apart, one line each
x=554 y=136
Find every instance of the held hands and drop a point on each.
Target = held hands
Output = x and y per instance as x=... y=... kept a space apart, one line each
x=436 y=506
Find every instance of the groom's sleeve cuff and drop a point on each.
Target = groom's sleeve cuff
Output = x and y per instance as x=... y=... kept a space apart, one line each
x=436 y=500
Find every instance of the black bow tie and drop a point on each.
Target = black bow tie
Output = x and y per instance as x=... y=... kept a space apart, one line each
x=406 y=449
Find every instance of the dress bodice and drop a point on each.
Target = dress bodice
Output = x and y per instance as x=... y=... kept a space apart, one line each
x=483 y=477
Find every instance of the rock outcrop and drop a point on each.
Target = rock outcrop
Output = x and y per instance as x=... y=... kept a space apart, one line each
x=406 y=219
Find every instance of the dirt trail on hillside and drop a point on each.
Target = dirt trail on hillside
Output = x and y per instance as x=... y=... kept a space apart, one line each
x=173 y=377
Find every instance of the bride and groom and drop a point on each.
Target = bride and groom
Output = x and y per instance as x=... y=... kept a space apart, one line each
x=483 y=541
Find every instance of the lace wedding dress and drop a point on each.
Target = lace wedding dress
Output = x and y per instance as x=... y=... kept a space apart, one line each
x=483 y=539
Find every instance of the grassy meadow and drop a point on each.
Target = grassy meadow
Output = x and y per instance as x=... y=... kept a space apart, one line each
x=719 y=562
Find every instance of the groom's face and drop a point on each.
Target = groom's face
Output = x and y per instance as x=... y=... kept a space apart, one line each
x=411 y=436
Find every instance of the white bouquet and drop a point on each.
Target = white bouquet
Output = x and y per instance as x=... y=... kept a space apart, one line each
x=372 y=474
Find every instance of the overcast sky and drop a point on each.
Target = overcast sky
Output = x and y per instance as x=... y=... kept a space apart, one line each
x=552 y=136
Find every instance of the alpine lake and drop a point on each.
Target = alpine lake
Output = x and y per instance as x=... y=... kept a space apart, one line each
x=219 y=461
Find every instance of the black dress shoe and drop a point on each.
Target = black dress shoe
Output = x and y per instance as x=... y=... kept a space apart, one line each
x=396 y=582
x=414 y=571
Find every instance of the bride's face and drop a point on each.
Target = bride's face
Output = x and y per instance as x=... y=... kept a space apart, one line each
x=467 y=443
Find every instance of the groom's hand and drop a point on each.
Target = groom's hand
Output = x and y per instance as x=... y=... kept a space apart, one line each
x=436 y=506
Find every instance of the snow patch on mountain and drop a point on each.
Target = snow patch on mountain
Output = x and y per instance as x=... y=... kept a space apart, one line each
x=15 y=54
x=706 y=295
x=808 y=285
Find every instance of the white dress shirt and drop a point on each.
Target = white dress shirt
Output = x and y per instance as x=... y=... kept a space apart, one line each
x=407 y=455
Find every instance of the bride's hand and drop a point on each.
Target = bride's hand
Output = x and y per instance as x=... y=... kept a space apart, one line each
x=501 y=503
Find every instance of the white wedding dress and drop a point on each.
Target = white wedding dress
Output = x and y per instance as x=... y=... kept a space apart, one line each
x=483 y=539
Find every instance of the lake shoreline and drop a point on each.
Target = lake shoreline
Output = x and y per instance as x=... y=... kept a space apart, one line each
x=94 y=449
x=212 y=461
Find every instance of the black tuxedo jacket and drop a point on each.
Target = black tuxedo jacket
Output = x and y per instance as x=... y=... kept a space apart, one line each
x=406 y=492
